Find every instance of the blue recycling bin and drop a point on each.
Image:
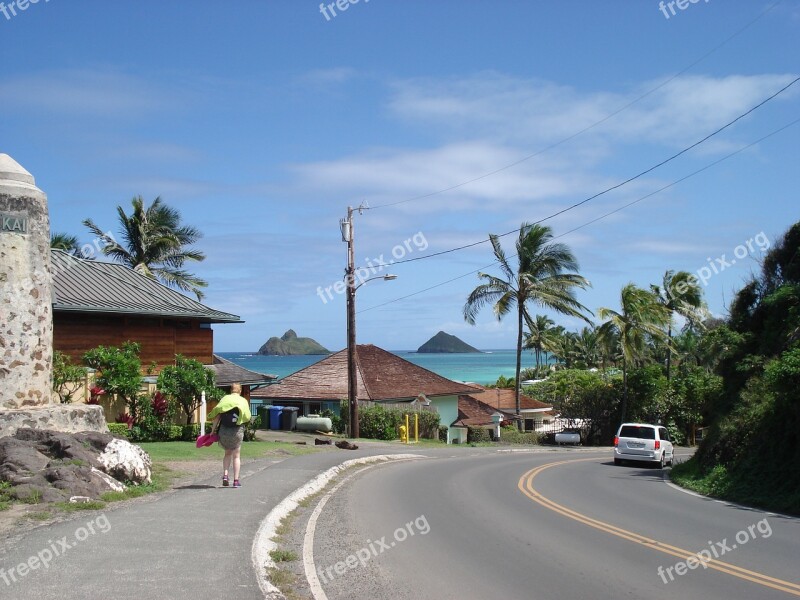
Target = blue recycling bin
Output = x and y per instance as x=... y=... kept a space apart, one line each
x=275 y=417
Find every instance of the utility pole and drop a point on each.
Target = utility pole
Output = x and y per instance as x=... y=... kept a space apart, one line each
x=348 y=235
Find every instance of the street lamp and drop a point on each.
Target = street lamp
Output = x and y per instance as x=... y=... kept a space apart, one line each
x=352 y=385
x=348 y=233
x=387 y=277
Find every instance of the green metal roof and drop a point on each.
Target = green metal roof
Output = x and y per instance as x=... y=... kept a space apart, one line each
x=109 y=288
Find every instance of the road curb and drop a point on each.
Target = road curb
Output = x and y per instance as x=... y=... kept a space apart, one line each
x=764 y=511
x=263 y=543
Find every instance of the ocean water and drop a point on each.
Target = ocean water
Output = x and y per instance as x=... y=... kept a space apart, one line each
x=481 y=368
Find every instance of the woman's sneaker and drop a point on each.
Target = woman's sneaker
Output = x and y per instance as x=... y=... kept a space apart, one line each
x=224 y=481
x=236 y=483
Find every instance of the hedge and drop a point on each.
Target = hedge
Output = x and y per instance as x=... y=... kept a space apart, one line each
x=478 y=434
x=119 y=430
x=379 y=423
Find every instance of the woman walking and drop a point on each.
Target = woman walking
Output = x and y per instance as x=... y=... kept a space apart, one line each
x=230 y=416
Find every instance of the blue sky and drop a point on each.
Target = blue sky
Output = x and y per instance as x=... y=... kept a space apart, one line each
x=262 y=121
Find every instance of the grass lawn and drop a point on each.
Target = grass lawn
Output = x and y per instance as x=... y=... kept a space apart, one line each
x=176 y=451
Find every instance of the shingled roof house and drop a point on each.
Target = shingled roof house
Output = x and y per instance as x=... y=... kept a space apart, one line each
x=106 y=304
x=381 y=377
x=533 y=412
x=97 y=303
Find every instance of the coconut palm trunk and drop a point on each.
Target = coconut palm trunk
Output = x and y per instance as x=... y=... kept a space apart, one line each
x=520 y=317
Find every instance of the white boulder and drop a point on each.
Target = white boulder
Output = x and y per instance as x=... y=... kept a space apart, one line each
x=126 y=462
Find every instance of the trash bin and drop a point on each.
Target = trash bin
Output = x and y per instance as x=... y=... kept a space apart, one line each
x=263 y=414
x=289 y=418
x=275 y=417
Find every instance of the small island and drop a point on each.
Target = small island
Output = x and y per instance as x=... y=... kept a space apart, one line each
x=444 y=343
x=291 y=345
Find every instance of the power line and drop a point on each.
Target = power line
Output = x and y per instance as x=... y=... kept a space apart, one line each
x=601 y=217
x=593 y=125
x=609 y=189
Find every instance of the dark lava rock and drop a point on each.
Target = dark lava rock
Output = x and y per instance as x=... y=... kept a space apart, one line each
x=50 y=466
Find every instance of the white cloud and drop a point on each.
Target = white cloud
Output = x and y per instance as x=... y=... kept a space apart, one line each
x=86 y=92
x=539 y=112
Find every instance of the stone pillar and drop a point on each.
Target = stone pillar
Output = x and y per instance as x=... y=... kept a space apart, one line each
x=26 y=313
x=26 y=317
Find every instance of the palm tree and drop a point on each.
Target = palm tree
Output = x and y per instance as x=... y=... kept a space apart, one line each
x=536 y=339
x=155 y=244
x=564 y=347
x=545 y=276
x=641 y=316
x=66 y=242
x=587 y=346
x=680 y=294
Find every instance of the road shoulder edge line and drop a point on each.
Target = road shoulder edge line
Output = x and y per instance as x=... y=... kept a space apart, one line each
x=675 y=486
x=263 y=543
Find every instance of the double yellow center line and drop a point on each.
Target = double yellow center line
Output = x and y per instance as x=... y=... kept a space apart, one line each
x=525 y=486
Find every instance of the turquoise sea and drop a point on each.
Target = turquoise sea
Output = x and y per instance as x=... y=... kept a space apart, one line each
x=481 y=368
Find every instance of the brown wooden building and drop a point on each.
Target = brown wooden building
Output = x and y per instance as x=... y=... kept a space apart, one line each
x=106 y=304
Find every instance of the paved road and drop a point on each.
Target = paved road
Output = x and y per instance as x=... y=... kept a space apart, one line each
x=493 y=526
x=192 y=543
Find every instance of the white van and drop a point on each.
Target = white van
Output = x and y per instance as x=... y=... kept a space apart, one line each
x=641 y=442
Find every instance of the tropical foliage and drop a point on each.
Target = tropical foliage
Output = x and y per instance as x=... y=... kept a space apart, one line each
x=67 y=243
x=118 y=371
x=539 y=337
x=641 y=318
x=680 y=294
x=545 y=275
x=756 y=426
x=184 y=384
x=68 y=378
x=155 y=244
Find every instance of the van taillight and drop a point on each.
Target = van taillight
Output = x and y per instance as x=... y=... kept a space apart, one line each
x=658 y=444
x=616 y=440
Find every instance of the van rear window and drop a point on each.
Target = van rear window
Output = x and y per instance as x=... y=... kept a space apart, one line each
x=643 y=433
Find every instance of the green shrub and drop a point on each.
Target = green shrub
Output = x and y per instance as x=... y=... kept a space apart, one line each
x=250 y=429
x=478 y=435
x=190 y=433
x=512 y=435
x=184 y=384
x=118 y=371
x=337 y=422
x=120 y=430
x=377 y=422
x=67 y=378
x=443 y=433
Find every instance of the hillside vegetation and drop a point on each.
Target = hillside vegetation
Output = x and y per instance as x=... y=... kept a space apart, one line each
x=445 y=343
x=752 y=450
x=291 y=345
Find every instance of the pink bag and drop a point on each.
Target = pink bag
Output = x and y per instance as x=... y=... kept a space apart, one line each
x=207 y=439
